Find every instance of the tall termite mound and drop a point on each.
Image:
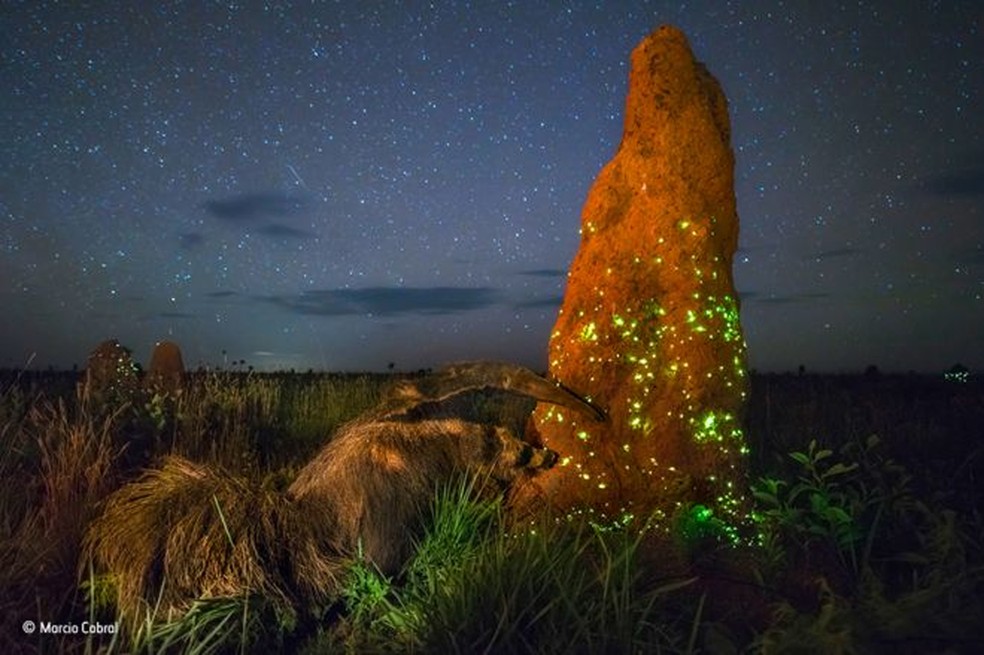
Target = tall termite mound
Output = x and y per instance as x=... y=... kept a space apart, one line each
x=166 y=371
x=649 y=326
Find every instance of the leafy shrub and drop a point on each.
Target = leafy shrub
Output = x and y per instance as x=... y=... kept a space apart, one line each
x=901 y=574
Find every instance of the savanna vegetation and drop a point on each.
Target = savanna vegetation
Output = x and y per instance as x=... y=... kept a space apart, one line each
x=866 y=535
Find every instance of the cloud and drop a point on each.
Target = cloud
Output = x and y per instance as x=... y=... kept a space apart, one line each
x=388 y=301
x=189 y=240
x=250 y=206
x=536 y=303
x=965 y=181
x=278 y=231
x=221 y=294
x=545 y=272
x=772 y=299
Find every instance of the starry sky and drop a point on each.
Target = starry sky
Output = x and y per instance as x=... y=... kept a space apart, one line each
x=348 y=185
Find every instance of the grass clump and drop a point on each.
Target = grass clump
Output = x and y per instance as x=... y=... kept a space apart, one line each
x=474 y=586
x=58 y=463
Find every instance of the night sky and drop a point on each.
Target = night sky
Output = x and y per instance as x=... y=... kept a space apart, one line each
x=351 y=184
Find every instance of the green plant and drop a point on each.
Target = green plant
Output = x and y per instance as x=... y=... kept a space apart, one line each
x=826 y=503
x=909 y=573
x=701 y=530
x=366 y=595
x=383 y=612
x=209 y=626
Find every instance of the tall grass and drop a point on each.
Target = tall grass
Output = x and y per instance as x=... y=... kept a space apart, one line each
x=46 y=504
x=62 y=453
x=865 y=545
x=250 y=421
x=474 y=586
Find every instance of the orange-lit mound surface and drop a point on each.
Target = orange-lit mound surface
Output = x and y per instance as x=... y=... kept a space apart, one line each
x=649 y=327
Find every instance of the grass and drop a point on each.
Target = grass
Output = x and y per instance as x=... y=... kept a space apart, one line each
x=474 y=586
x=57 y=465
x=868 y=533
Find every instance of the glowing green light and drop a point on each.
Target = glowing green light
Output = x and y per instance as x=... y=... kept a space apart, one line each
x=652 y=354
x=589 y=332
x=716 y=426
x=699 y=524
x=957 y=374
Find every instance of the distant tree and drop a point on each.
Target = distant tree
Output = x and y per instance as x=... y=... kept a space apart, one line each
x=801 y=370
x=872 y=371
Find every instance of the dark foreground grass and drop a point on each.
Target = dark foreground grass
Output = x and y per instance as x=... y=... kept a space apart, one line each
x=477 y=586
x=867 y=535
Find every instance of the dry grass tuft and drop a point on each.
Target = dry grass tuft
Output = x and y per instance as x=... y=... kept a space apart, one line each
x=186 y=531
x=77 y=456
x=45 y=509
